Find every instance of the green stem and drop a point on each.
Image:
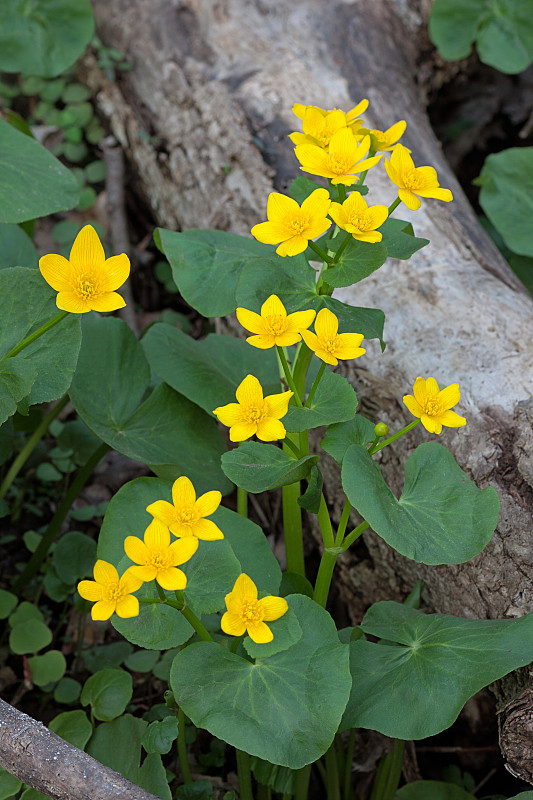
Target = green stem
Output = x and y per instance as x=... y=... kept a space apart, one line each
x=314 y=387
x=302 y=783
x=28 y=448
x=325 y=573
x=345 y=516
x=402 y=432
x=394 y=205
x=341 y=249
x=182 y=749
x=325 y=523
x=332 y=772
x=355 y=534
x=57 y=520
x=347 y=790
x=301 y=367
x=245 y=775
x=318 y=250
x=389 y=773
x=292 y=447
x=342 y=192
x=242 y=502
x=35 y=335
x=288 y=375
x=292 y=524
x=191 y=617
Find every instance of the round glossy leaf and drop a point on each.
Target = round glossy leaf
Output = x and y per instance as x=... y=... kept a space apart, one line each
x=157 y=626
x=16 y=248
x=48 y=668
x=287 y=631
x=29 y=637
x=441 y=517
x=270 y=708
x=339 y=437
x=108 y=692
x=74 y=556
x=9 y=785
x=73 y=726
x=160 y=735
x=256 y=467
x=24 y=612
x=8 y=602
x=334 y=401
x=67 y=691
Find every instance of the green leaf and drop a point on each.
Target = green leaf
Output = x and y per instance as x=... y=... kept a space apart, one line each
x=43 y=37
x=432 y=790
x=47 y=668
x=106 y=655
x=29 y=637
x=399 y=238
x=73 y=726
x=28 y=303
x=108 y=692
x=256 y=467
x=310 y=500
x=142 y=660
x=9 y=785
x=211 y=573
x=340 y=436
x=334 y=401
x=208 y=371
x=17 y=376
x=16 y=248
x=197 y=790
x=287 y=631
x=270 y=708
x=441 y=517
x=8 y=602
x=24 y=612
x=67 y=691
x=117 y=744
x=152 y=776
x=165 y=429
x=418 y=687
x=160 y=735
x=32 y=182
x=280 y=779
x=502 y=31
x=506 y=196
x=74 y=556
x=301 y=187
x=157 y=626
x=357 y=261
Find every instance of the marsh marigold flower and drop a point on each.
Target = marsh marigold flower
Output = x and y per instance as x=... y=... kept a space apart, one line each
x=293 y=225
x=109 y=593
x=356 y=217
x=329 y=345
x=341 y=162
x=157 y=558
x=351 y=118
x=87 y=281
x=318 y=127
x=274 y=326
x=384 y=140
x=254 y=414
x=248 y=614
x=412 y=181
x=432 y=406
x=185 y=516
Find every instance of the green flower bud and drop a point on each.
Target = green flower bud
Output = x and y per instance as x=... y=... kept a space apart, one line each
x=381 y=429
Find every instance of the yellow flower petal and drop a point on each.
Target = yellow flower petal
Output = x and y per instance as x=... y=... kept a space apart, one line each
x=206 y=530
x=270 y=430
x=250 y=392
x=144 y=574
x=410 y=199
x=437 y=194
x=208 y=503
x=244 y=588
x=242 y=431
x=172 y=579
x=229 y=415
x=56 y=271
x=317 y=204
x=432 y=387
x=250 y=320
x=419 y=391
x=183 y=493
x=103 y=609
x=451 y=419
x=105 y=573
x=156 y=536
x=87 y=250
x=300 y=320
x=265 y=342
x=414 y=407
x=279 y=206
x=163 y=511
x=268 y=232
x=259 y=632
x=90 y=590
x=128 y=607
x=130 y=582
x=182 y=550
x=232 y=624
x=181 y=529
x=293 y=246
x=115 y=272
x=278 y=404
x=109 y=301
x=347 y=346
x=73 y=303
x=272 y=307
x=449 y=396
x=311 y=340
x=136 y=549
x=326 y=324
x=371 y=237
x=273 y=607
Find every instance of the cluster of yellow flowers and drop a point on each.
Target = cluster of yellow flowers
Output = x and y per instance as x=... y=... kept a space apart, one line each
x=338 y=146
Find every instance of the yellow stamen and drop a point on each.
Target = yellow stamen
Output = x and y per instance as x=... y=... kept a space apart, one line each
x=413 y=180
x=338 y=164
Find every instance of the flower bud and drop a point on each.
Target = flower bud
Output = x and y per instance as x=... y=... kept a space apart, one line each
x=381 y=429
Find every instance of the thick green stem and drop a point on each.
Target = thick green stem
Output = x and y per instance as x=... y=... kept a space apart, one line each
x=347 y=788
x=402 y=432
x=325 y=573
x=318 y=250
x=191 y=617
x=302 y=783
x=345 y=516
x=36 y=334
x=301 y=368
x=28 y=448
x=389 y=773
x=182 y=749
x=314 y=387
x=325 y=523
x=332 y=773
x=394 y=205
x=342 y=192
x=355 y=534
x=341 y=249
x=288 y=376
x=56 y=522
x=242 y=502
x=292 y=524
x=245 y=775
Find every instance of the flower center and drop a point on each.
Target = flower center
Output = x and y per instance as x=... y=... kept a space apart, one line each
x=330 y=345
x=432 y=407
x=297 y=224
x=188 y=515
x=252 y=611
x=113 y=592
x=359 y=221
x=340 y=165
x=276 y=324
x=413 y=180
x=254 y=413
x=157 y=559
x=86 y=287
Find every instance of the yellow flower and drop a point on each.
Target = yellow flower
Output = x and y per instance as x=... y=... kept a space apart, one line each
x=346 y=156
x=357 y=218
x=185 y=515
x=291 y=225
x=158 y=558
x=274 y=326
x=253 y=414
x=318 y=127
x=432 y=406
x=384 y=140
x=412 y=181
x=350 y=117
x=109 y=593
x=329 y=345
x=248 y=614
x=87 y=281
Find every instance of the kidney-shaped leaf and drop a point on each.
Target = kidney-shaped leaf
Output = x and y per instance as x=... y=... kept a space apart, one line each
x=256 y=467
x=441 y=517
x=417 y=688
x=358 y=261
x=334 y=401
x=270 y=708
